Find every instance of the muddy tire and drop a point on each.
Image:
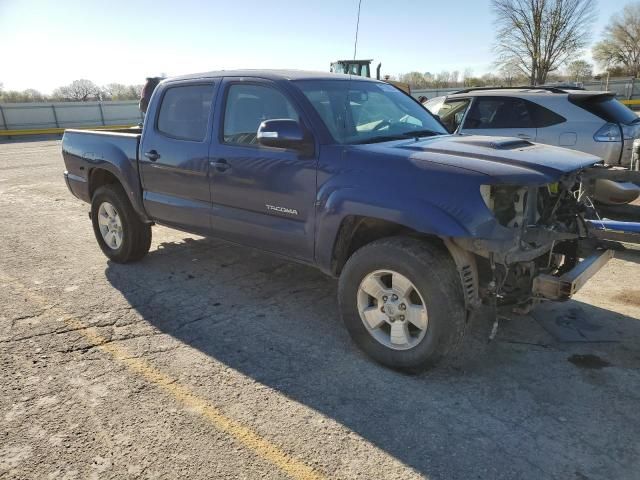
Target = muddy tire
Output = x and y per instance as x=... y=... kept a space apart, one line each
x=122 y=236
x=401 y=300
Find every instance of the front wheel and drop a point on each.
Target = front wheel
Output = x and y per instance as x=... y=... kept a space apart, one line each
x=120 y=233
x=401 y=300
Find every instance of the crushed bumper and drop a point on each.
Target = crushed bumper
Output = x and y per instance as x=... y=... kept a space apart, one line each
x=563 y=287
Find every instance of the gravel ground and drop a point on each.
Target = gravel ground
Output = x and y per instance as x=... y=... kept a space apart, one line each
x=207 y=360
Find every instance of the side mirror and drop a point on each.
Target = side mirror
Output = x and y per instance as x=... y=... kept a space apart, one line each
x=282 y=133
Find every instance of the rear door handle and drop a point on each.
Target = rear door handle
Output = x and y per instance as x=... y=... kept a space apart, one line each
x=221 y=165
x=152 y=155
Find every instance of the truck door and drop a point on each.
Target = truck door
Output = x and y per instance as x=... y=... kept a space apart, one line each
x=499 y=116
x=174 y=162
x=262 y=197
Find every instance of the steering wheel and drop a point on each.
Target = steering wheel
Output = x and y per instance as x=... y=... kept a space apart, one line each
x=381 y=125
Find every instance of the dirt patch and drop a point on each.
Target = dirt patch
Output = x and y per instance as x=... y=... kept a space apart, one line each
x=588 y=361
x=631 y=297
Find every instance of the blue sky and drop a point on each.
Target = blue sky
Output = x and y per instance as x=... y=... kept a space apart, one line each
x=48 y=43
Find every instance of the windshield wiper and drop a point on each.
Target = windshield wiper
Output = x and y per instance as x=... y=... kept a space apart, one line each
x=382 y=138
x=400 y=136
x=423 y=133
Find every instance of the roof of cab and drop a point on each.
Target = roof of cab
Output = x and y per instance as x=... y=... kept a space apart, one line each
x=272 y=75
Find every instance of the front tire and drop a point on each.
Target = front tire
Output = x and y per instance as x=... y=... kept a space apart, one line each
x=401 y=300
x=120 y=233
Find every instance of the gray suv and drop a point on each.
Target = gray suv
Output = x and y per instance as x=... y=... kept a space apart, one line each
x=592 y=122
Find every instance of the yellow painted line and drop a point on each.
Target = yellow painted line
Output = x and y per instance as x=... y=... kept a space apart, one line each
x=251 y=440
x=630 y=102
x=45 y=131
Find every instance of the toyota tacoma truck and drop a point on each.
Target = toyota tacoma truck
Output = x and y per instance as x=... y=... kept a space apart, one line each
x=355 y=177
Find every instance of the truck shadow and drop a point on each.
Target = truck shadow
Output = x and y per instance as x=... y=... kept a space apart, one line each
x=515 y=408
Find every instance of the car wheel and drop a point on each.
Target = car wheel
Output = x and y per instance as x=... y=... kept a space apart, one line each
x=122 y=236
x=401 y=300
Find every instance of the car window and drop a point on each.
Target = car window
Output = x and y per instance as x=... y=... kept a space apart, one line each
x=435 y=104
x=605 y=107
x=364 y=112
x=452 y=112
x=498 y=112
x=248 y=106
x=543 y=117
x=184 y=112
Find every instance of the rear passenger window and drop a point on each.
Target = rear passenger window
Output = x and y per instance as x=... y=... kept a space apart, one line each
x=184 y=112
x=543 y=117
x=248 y=106
x=499 y=112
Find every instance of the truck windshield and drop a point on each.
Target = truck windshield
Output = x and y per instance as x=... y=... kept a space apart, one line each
x=368 y=112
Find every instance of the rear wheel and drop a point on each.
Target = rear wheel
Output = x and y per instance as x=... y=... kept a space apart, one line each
x=401 y=300
x=122 y=236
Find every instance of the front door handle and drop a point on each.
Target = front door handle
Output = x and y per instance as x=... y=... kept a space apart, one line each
x=221 y=165
x=524 y=136
x=152 y=155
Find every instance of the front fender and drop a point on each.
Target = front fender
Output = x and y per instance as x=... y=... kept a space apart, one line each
x=413 y=213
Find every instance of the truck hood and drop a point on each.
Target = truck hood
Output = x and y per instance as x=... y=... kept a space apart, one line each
x=506 y=159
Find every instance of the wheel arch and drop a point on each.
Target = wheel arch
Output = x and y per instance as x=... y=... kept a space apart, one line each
x=356 y=231
x=108 y=174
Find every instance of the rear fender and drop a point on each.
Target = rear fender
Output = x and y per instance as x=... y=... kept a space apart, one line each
x=112 y=153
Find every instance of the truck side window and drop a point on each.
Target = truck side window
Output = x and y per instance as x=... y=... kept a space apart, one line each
x=184 y=112
x=248 y=106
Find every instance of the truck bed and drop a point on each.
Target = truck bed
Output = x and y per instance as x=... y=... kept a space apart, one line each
x=115 y=151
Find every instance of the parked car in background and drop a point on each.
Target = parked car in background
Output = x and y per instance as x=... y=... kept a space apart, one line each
x=592 y=122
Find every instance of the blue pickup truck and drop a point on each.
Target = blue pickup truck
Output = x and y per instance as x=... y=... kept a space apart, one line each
x=355 y=177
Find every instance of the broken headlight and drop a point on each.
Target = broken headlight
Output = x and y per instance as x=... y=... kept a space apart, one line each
x=509 y=203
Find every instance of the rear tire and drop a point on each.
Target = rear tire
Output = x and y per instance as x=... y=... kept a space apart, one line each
x=120 y=233
x=403 y=264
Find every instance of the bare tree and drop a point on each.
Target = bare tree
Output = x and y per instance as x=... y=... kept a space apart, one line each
x=118 y=91
x=621 y=44
x=579 y=70
x=16 y=96
x=415 y=79
x=442 y=79
x=510 y=73
x=539 y=35
x=78 y=90
x=491 y=79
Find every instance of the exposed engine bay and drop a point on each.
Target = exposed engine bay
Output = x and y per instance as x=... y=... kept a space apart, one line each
x=542 y=245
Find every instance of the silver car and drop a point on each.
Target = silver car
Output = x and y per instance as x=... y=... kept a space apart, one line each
x=592 y=122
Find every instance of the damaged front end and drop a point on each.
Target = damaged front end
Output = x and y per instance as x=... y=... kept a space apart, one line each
x=539 y=244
